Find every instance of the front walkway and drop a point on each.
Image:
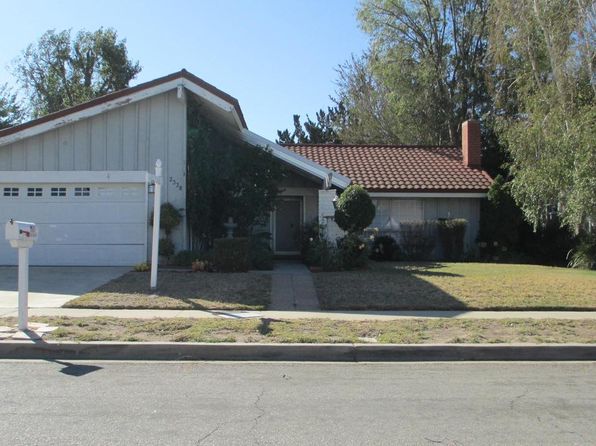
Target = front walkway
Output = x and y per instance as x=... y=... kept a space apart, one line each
x=292 y=287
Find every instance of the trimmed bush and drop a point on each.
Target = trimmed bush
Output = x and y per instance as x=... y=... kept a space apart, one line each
x=185 y=257
x=261 y=254
x=169 y=218
x=451 y=236
x=231 y=254
x=418 y=239
x=353 y=252
x=166 y=248
x=355 y=210
x=384 y=248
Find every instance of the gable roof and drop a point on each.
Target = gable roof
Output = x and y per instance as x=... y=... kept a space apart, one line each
x=124 y=97
x=225 y=106
x=389 y=168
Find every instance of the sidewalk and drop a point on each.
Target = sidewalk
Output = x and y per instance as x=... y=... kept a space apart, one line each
x=319 y=314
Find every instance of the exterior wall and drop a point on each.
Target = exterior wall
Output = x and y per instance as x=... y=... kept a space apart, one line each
x=468 y=208
x=327 y=214
x=390 y=211
x=128 y=138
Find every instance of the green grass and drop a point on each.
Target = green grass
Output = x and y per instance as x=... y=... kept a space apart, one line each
x=181 y=291
x=411 y=331
x=457 y=286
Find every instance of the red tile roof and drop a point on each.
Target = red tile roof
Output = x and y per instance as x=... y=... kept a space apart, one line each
x=384 y=168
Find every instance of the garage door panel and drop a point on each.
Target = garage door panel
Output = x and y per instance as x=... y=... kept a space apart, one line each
x=87 y=255
x=91 y=225
x=73 y=212
x=76 y=234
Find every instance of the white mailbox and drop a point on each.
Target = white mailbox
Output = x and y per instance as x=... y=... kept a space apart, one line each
x=20 y=234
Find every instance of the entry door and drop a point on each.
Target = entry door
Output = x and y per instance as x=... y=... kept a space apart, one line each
x=288 y=223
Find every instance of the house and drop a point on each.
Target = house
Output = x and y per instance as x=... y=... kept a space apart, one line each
x=84 y=174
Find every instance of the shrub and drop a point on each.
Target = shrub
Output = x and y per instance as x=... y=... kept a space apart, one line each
x=169 y=218
x=231 y=254
x=353 y=252
x=166 y=248
x=261 y=254
x=355 y=210
x=418 y=239
x=451 y=236
x=186 y=257
x=142 y=267
x=384 y=248
x=584 y=255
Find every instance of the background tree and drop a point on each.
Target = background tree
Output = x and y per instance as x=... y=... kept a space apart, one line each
x=323 y=130
x=543 y=55
x=10 y=109
x=58 y=72
x=422 y=75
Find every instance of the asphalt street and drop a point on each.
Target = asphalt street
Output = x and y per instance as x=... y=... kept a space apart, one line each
x=199 y=403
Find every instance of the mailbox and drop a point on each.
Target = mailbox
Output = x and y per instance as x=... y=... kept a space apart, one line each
x=20 y=234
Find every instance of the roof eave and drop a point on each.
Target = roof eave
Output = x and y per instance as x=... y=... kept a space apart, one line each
x=125 y=97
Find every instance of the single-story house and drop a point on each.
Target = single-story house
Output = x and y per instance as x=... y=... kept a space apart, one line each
x=83 y=175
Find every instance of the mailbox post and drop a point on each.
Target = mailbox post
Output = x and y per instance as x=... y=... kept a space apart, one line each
x=21 y=236
x=156 y=224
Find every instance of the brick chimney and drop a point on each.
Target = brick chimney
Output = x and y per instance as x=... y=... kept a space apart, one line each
x=470 y=143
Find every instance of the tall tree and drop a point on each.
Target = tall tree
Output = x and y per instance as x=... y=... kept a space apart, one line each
x=422 y=75
x=323 y=130
x=10 y=109
x=58 y=72
x=544 y=57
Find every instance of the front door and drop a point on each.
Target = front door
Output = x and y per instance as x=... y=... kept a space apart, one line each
x=288 y=218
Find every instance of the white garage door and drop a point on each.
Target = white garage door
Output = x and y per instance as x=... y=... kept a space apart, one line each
x=79 y=224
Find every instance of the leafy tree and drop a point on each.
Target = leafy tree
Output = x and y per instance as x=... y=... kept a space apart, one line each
x=10 y=109
x=543 y=54
x=226 y=178
x=59 y=72
x=422 y=75
x=355 y=209
x=323 y=130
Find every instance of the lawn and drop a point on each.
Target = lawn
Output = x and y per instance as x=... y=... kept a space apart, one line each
x=457 y=286
x=181 y=291
x=412 y=331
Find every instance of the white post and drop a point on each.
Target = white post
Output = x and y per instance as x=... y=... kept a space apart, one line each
x=156 y=223
x=23 y=288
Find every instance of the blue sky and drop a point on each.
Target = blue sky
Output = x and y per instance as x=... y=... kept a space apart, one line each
x=278 y=57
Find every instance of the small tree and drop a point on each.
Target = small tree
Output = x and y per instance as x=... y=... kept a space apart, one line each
x=355 y=210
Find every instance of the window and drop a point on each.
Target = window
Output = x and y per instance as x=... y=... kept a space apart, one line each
x=390 y=212
x=82 y=191
x=11 y=191
x=58 y=192
x=34 y=191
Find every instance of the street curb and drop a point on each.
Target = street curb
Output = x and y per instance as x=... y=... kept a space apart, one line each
x=168 y=351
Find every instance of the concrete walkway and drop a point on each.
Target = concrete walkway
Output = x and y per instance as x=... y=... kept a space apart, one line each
x=292 y=287
x=334 y=315
x=53 y=286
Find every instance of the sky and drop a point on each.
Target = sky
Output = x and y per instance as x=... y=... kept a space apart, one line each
x=277 y=57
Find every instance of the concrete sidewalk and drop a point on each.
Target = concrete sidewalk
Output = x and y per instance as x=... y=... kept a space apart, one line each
x=334 y=315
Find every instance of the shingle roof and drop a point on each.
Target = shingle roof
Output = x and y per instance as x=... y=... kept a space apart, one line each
x=384 y=168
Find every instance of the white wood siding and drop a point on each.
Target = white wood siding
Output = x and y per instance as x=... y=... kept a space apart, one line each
x=128 y=138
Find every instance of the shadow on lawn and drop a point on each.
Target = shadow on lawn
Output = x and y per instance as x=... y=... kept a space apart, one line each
x=389 y=287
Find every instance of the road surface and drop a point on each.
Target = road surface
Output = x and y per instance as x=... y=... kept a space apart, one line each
x=151 y=403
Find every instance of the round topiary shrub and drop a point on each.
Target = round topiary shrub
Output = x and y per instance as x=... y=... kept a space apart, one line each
x=355 y=210
x=170 y=217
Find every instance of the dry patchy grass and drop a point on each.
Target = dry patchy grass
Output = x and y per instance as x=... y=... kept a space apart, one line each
x=181 y=291
x=412 y=331
x=457 y=286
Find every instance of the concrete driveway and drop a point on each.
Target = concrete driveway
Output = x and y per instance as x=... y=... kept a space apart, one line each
x=53 y=286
